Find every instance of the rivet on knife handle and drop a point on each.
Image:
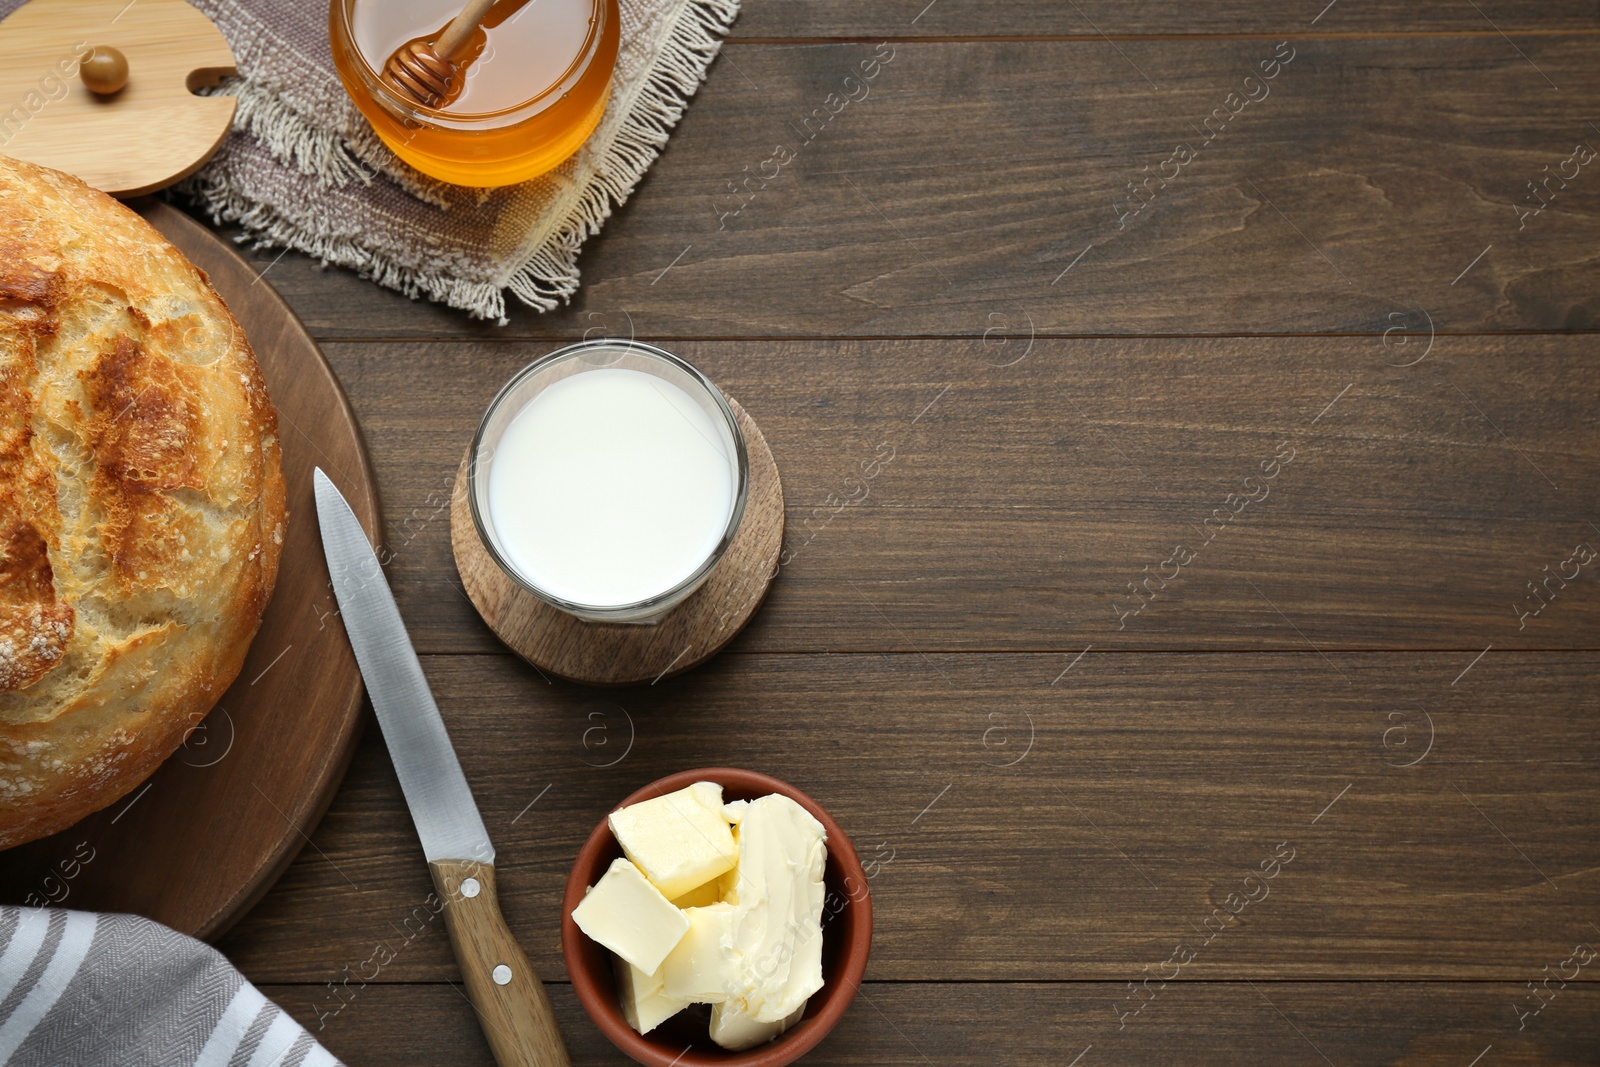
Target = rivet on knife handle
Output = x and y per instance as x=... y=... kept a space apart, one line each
x=510 y=999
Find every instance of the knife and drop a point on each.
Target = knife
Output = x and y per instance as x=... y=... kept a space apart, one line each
x=509 y=998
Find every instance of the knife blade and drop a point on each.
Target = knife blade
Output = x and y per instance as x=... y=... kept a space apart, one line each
x=511 y=1002
x=430 y=775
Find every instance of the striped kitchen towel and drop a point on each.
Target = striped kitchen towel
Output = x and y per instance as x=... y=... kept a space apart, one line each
x=95 y=990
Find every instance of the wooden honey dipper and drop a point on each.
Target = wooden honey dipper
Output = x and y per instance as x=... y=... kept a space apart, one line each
x=424 y=72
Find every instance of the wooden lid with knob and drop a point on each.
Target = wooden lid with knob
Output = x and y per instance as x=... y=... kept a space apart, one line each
x=104 y=89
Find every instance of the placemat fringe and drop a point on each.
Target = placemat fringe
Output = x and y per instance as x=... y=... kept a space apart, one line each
x=266 y=228
x=323 y=154
x=551 y=275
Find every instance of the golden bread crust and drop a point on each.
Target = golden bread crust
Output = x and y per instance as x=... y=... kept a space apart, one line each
x=141 y=500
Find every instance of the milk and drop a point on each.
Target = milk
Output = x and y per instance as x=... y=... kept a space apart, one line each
x=610 y=487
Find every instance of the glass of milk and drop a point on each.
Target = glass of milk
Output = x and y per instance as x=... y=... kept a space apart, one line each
x=607 y=479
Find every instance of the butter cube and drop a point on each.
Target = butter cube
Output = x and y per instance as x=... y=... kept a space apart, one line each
x=680 y=841
x=701 y=968
x=734 y=1029
x=644 y=1005
x=629 y=916
x=777 y=921
x=728 y=887
x=700 y=895
x=728 y=881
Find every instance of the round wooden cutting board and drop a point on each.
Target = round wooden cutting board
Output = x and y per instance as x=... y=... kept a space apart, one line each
x=202 y=840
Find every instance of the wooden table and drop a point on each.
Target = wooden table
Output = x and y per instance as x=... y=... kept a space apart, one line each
x=1209 y=671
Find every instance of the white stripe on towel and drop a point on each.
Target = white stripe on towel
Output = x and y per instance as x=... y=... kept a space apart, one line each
x=230 y=1029
x=276 y=1042
x=70 y=951
x=32 y=924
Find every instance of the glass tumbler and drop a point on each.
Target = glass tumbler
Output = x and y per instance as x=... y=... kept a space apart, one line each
x=607 y=479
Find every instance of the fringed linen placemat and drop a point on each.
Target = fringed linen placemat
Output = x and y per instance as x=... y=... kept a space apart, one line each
x=303 y=170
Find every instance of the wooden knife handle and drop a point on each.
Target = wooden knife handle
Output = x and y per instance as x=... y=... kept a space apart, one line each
x=512 y=1007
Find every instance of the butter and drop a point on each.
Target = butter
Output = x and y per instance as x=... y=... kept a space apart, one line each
x=717 y=904
x=680 y=841
x=777 y=922
x=701 y=895
x=701 y=968
x=644 y=1004
x=629 y=916
x=734 y=1030
x=727 y=882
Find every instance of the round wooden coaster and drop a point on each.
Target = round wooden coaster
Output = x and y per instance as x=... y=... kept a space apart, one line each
x=627 y=653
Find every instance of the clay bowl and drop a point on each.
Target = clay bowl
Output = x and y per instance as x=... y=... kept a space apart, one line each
x=682 y=1041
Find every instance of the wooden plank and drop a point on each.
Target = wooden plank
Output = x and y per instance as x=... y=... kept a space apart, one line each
x=1038 y=817
x=1019 y=1024
x=970 y=176
x=1163 y=18
x=1021 y=500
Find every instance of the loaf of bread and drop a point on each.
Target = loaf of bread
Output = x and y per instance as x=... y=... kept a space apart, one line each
x=141 y=500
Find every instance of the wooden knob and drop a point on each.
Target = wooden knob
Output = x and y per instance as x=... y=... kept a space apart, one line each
x=104 y=70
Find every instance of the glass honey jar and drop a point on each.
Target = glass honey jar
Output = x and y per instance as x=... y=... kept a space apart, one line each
x=531 y=83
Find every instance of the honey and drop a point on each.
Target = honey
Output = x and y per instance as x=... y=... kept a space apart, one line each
x=531 y=83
